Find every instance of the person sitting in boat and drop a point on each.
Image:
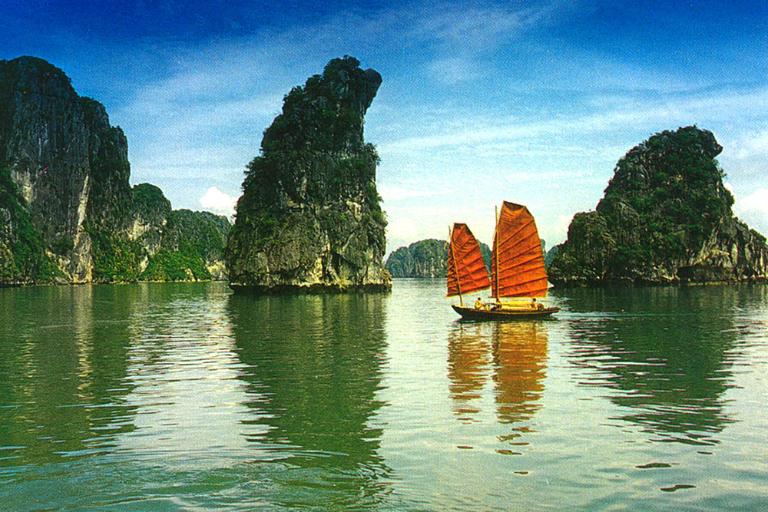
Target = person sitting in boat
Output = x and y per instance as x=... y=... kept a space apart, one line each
x=478 y=303
x=536 y=305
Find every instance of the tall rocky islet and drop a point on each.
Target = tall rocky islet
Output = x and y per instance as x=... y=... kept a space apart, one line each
x=67 y=211
x=665 y=218
x=310 y=217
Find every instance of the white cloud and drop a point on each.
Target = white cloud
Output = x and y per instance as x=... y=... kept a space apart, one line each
x=751 y=145
x=453 y=70
x=752 y=208
x=757 y=201
x=479 y=26
x=561 y=228
x=218 y=202
x=402 y=192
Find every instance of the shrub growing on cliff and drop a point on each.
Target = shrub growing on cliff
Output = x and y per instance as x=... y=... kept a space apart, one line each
x=176 y=266
x=115 y=258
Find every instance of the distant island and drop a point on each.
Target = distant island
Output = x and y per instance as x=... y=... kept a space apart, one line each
x=310 y=217
x=665 y=218
x=425 y=259
x=428 y=259
x=67 y=211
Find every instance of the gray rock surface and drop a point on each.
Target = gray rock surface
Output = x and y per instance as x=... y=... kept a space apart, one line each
x=310 y=217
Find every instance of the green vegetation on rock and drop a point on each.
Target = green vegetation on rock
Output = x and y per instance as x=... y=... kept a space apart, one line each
x=175 y=266
x=310 y=214
x=192 y=241
x=665 y=218
x=116 y=259
x=197 y=233
x=150 y=203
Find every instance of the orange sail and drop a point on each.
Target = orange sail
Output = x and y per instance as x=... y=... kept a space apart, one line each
x=517 y=261
x=466 y=269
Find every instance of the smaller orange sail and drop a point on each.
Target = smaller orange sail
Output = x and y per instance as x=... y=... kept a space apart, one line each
x=466 y=269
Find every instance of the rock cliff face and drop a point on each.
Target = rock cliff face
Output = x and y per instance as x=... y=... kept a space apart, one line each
x=67 y=211
x=309 y=218
x=665 y=218
x=425 y=258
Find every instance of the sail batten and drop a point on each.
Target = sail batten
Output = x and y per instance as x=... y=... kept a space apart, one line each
x=466 y=268
x=517 y=262
x=524 y=242
x=531 y=259
x=526 y=275
x=529 y=283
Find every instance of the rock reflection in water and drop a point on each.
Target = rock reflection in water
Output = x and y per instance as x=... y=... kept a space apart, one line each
x=63 y=360
x=513 y=354
x=668 y=362
x=313 y=367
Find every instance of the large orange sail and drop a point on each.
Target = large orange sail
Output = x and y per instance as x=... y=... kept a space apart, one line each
x=517 y=261
x=466 y=270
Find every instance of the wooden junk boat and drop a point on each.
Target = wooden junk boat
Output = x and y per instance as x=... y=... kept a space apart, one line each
x=517 y=269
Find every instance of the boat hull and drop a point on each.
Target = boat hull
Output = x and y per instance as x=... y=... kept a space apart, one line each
x=503 y=314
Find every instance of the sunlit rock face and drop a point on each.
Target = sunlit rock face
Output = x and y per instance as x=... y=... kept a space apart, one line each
x=665 y=218
x=67 y=211
x=310 y=217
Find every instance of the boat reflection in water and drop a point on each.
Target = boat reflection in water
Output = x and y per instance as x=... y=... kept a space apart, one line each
x=468 y=361
x=520 y=364
x=513 y=355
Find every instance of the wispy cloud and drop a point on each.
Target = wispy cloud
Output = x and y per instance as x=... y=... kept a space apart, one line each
x=651 y=112
x=752 y=208
x=757 y=201
x=453 y=70
x=750 y=145
x=479 y=26
x=401 y=192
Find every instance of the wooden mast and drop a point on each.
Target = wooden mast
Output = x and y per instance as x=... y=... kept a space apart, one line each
x=496 y=251
x=455 y=264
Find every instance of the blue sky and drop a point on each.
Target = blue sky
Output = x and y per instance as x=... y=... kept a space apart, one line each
x=481 y=101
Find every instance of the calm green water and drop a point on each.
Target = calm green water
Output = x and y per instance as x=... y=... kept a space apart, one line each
x=185 y=397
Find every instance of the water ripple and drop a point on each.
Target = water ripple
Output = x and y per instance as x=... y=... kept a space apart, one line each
x=158 y=397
